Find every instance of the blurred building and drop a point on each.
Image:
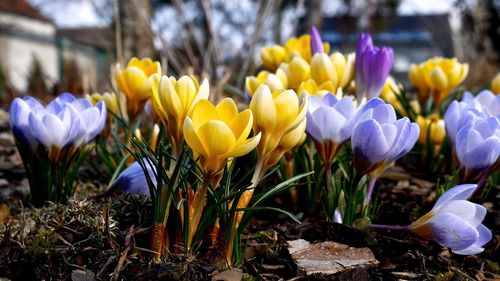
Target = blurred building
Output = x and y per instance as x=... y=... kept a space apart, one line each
x=27 y=35
x=413 y=38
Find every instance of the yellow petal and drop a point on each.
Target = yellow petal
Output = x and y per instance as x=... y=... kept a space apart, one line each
x=226 y=110
x=322 y=69
x=186 y=90
x=495 y=84
x=438 y=79
x=246 y=146
x=191 y=137
x=203 y=112
x=287 y=105
x=169 y=98
x=263 y=109
x=299 y=71
x=217 y=138
x=203 y=92
x=241 y=125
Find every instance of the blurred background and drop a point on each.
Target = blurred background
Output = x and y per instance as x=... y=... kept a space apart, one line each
x=50 y=46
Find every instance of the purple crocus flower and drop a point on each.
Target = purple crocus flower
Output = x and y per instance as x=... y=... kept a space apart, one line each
x=133 y=179
x=329 y=123
x=477 y=144
x=455 y=222
x=373 y=65
x=66 y=123
x=316 y=42
x=486 y=101
x=378 y=138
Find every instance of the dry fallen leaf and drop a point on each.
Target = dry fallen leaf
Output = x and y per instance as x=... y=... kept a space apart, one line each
x=4 y=213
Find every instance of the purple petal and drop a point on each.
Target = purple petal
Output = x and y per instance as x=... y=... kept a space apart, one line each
x=133 y=179
x=469 y=212
x=316 y=42
x=485 y=236
x=453 y=232
x=459 y=192
x=369 y=143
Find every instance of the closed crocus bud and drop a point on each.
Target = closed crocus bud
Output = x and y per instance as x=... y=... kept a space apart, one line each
x=495 y=84
x=442 y=76
x=417 y=79
x=273 y=56
x=477 y=145
x=297 y=71
x=316 y=42
x=110 y=99
x=174 y=100
x=276 y=113
x=455 y=222
x=276 y=82
x=289 y=141
x=136 y=81
x=328 y=124
x=217 y=133
x=133 y=179
x=390 y=93
x=378 y=139
x=322 y=69
x=344 y=67
x=432 y=129
x=372 y=67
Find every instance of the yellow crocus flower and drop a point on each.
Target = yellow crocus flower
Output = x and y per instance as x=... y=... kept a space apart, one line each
x=495 y=84
x=109 y=98
x=273 y=56
x=432 y=129
x=301 y=46
x=276 y=114
x=174 y=100
x=344 y=66
x=296 y=71
x=278 y=81
x=217 y=133
x=290 y=140
x=443 y=75
x=135 y=82
x=310 y=87
x=417 y=79
x=322 y=69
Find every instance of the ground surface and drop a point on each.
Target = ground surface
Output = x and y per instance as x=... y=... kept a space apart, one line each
x=108 y=238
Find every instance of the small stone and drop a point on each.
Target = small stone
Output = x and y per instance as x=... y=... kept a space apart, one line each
x=234 y=274
x=82 y=275
x=329 y=257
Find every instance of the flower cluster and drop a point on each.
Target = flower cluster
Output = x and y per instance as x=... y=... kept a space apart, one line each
x=51 y=138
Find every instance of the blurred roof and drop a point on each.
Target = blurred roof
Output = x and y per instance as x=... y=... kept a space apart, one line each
x=101 y=37
x=22 y=8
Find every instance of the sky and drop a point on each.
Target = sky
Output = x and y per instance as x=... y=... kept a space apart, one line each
x=75 y=13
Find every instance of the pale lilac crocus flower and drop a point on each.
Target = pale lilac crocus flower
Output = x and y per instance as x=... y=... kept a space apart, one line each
x=329 y=123
x=379 y=139
x=453 y=222
x=133 y=179
x=373 y=65
x=67 y=123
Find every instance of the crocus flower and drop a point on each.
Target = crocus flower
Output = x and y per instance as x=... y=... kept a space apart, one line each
x=322 y=68
x=133 y=179
x=276 y=81
x=378 y=139
x=486 y=101
x=273 y=56
x=301 y=46
x=495 y=84
x=455 y=222
x=218 y=133
x=174 y=100
x=110 y=99
x=135 y=81
x=417 y=79
x=296 y=71
x=275 y=114
x=66 y=123
x=442 y=76
x=328 y=123
x=477 y=145
x=372 y=67
x=432 y=130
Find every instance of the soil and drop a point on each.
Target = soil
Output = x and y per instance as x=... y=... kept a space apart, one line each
x=108 y=239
